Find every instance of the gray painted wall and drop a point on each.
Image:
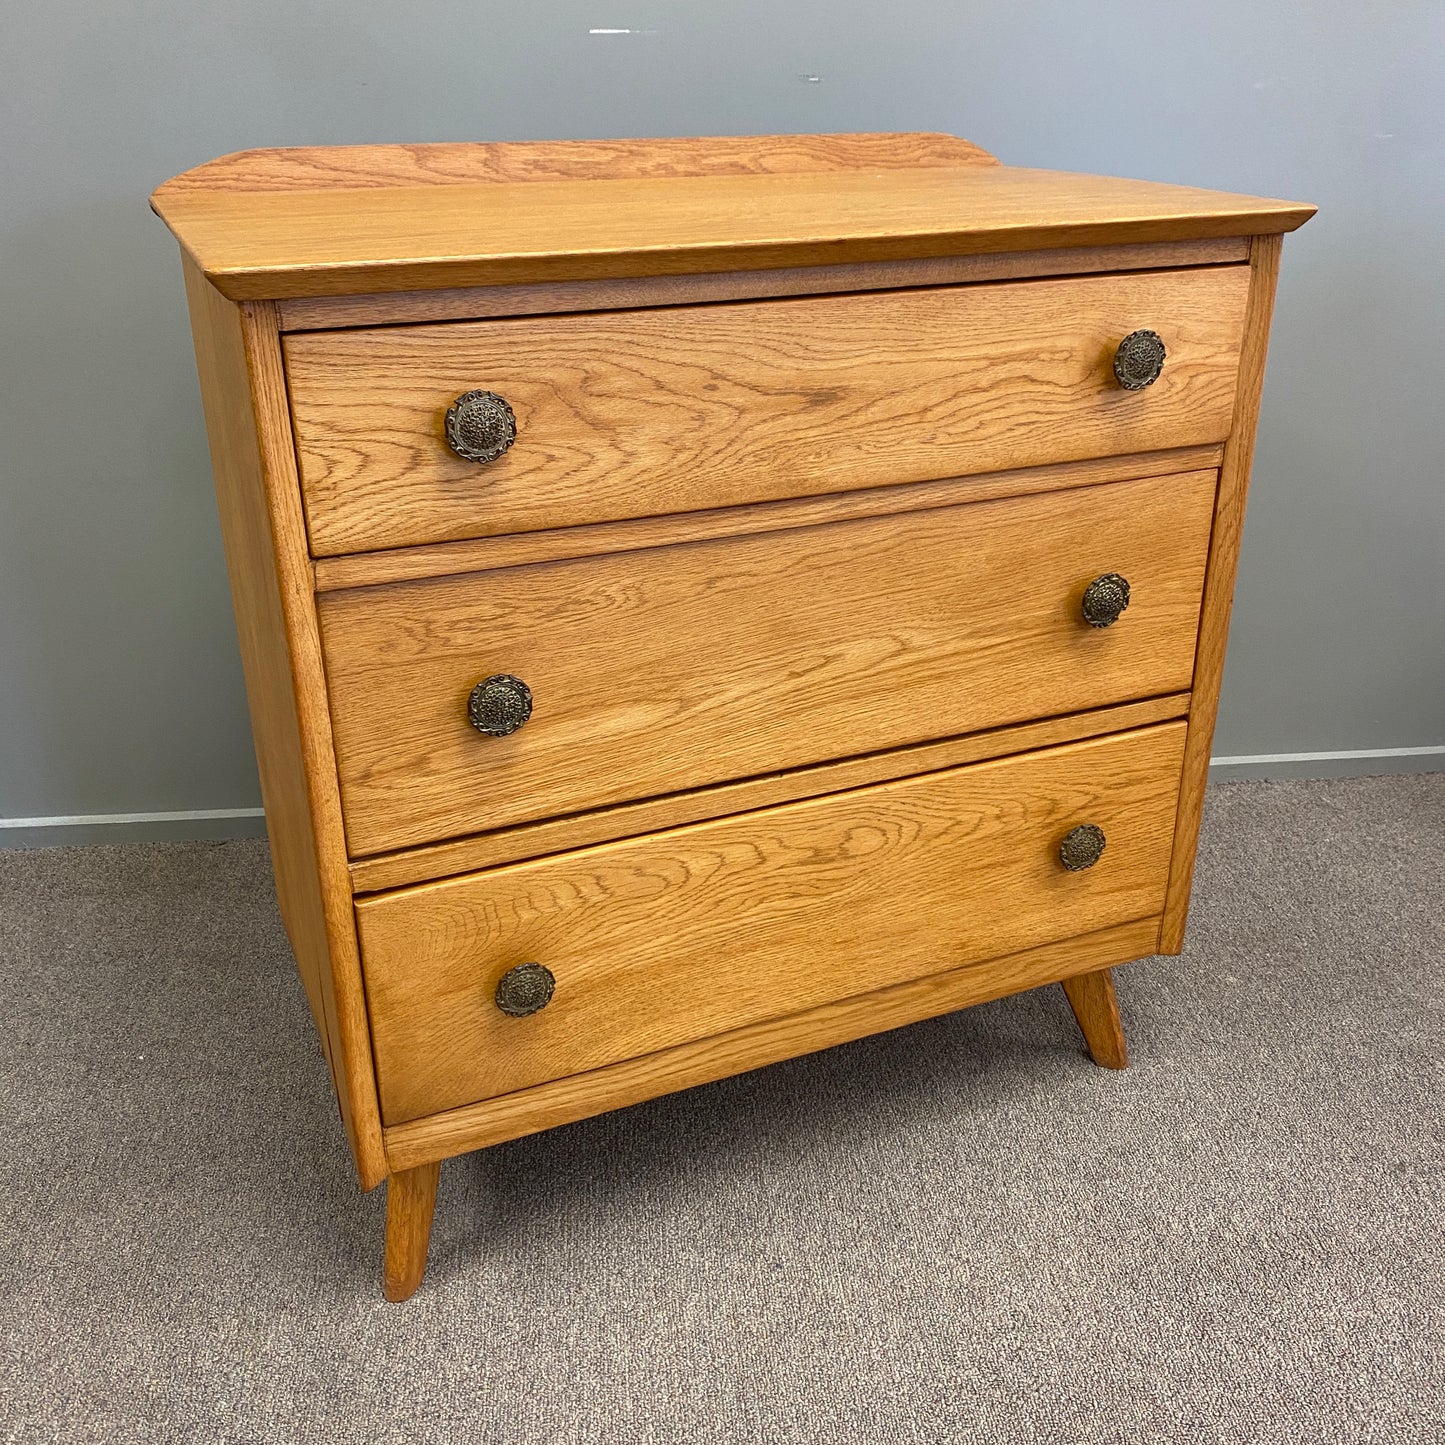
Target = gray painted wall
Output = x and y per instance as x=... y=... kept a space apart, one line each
x=120 y=688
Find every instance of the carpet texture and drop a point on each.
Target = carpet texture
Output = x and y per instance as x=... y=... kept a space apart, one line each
x=959 y=1231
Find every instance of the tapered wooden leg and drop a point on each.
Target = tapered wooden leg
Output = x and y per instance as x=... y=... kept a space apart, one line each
x=1096 y=1007
x=410 y=1198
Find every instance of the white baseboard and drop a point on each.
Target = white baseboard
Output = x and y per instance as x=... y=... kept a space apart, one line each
x=190 y=816
x=69 y=830
x=222 y=823
x=1351 y=763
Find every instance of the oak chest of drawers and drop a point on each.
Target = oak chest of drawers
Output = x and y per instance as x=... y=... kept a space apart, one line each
x=706 y=600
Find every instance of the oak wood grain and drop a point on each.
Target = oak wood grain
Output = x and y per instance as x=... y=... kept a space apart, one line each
x=674 y=668
x=602 y=825
x=1219 y=586
x=818 y=449
x=351 y=167
x=272 y=244
x=410 y=1200
x=327 y=313
x=641 y=413
x=546 y=1106
x=1095 y=1007
x=659 y=940
x=480 y=554
x=239 y=363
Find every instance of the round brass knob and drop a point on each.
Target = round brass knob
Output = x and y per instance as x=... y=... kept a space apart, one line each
x=1138 y=360
x=480 y=426
x=499 y=705
x=525 y=990
x=1082 y=847
x=1105 y=599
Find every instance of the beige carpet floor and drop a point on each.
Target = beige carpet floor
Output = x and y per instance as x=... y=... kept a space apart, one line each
x=961 y=1231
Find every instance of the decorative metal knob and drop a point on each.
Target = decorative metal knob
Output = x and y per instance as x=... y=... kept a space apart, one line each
x=1105 y=599
x=524 y=990
x=499 y=705
x=1138 y=360
x=1082 y=847
x=480 y=426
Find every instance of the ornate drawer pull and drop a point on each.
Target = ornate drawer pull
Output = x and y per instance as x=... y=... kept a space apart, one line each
x=499 y=705
x=1138 y=360
x=1105 y=599
x=1082 y=847
x=526 y=989
x=480 y=426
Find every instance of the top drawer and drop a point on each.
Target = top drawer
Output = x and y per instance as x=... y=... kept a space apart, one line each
x=637 y=413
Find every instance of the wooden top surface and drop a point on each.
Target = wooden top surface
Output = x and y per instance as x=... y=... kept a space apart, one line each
x=351 y=220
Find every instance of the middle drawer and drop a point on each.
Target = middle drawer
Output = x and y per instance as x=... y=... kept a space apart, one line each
x=672 y=668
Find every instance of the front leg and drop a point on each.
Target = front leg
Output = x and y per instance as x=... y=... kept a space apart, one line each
x=1096 y=1007
x=411 y=1196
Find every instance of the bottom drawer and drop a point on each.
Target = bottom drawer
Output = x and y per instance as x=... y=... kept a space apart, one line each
x=659 y=940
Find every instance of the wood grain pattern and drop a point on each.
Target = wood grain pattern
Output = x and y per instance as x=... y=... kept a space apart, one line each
x=481 y=554
x=327 y=313
x=239 y=363
x=255 y=244
x=659 y=940
x=1219 y=586
x=602 y=825
x=1096 y=1010
x=325 y=168
x=675 y=668
x=818 y=448
x=546 y=1106
x=647 y=412
x=410 y=1200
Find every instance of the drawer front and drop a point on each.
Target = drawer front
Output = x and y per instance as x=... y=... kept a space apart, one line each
x=662 y=670
x=660 y=940
x=637 y=413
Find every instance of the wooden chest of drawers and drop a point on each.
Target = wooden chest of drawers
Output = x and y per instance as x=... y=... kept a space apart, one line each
x=707 y=600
